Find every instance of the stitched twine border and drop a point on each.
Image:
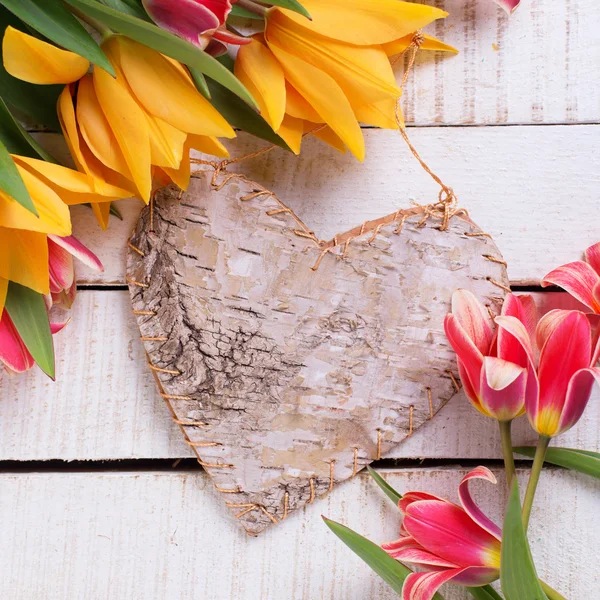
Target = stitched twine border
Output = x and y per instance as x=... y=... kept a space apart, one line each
x=443 y=210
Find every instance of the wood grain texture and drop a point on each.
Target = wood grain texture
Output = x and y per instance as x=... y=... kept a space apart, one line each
x=163 y=536
x=526 y=186
x=288 y=367
x=104 y=404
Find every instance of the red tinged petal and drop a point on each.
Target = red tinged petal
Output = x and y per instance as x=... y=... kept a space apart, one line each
x=548 y=323
x=503 y=386
x=524 y=309
x=469 y=504
x=473 y=318
x=592 y=255
x=421 y=558
x=578 y=396
x=56 y=327
x=447 y=531
x=410 y=497
x=74 y=247
x=470 y=392
x=579 y=279
x=228 y=37
x=514 y=341
x=60 y=268
x=567 y=349
x=13 y=352
x=423 y=586
x=508 y=5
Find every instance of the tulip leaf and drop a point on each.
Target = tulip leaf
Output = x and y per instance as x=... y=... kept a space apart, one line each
x=164 y=42
x=518 y=576
x=16 y=139
x=200 y=82
x=388 y=490
x=28 y=313
x=131 y=7
x=389 y=569
x=11 y=182
x=291 y=5
x=487 y=592
x=52 y=19
x=238 y=11
x=570 y=458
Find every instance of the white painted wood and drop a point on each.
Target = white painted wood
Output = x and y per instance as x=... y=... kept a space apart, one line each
x=164 y=536
x=104 y=404
x=526 y=186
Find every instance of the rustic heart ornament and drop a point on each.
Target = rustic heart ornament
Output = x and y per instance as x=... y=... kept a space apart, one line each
x=285 y=378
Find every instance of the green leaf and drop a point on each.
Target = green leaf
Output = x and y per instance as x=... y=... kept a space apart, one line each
x=291 y=5
x=200 y=82
x=16 y=139
x=36 y=102
x=389 y=569
x=164 y=42
x=11 y=182
x=131 y=7
x=28 y=312
x=388 y=490
x=487 y=592
x=238 y=11
x=115 y=212
x=570 y=458
x=52 y=19
x=518 y=577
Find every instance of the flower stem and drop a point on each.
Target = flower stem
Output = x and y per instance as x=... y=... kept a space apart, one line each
x=551 y=592
x=253 y=7
x=507 y=451
x=536 y=469
x=94 y=23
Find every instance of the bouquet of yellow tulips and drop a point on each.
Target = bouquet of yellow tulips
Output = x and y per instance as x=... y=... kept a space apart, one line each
x=135 y=85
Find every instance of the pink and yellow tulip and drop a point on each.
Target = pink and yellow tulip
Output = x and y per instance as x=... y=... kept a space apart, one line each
x=581 y=279
x=508 y=5
x=566 y=371
x=495 y=366
x=457 y=544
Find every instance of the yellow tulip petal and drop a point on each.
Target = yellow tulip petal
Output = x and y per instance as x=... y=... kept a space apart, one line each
x=102 y=213
x=68 y=124
x=130 y=127
x=181 y=176
x=166 y=93
x=365 y=22
x=95 y=129
x=3 y=290
x=258 y=69
x=297 y=106
x=27 y=58
x=326 y=97
x=166 y=143
x=291 y=131
x=24 y=259
x=208 y=145
x=327 y=135
x=430 y=43
x=53 y=214
x=379 y=114
x=364 y=73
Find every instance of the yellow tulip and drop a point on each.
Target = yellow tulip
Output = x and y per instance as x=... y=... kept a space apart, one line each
x=332 y=71
x=23 y=236
x=30 y=59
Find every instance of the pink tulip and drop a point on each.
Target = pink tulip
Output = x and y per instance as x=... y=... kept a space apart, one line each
x=61 y=251
x=197 y=21
x=457 y=544
x=580 y=279
x=508 y=5
x=566 y=371
x=495 y=366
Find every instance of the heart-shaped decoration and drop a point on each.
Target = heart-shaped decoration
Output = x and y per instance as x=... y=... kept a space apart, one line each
x=290 y=364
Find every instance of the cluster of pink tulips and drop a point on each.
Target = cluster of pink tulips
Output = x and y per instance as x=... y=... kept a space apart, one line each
x=510 y=365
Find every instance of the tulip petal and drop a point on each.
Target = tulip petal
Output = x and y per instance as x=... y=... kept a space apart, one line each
x=366 y=22
x=291 y=132
x=410 y=497
x=181 y=176
x=3 y=291
x=469 y=504
x=447 y=531
x=297 y=106
x=326 y=97
x=508 y=5
x=75 y=248
x=32 y=60
x=523 y=308
x=164 y=92
x=24 y=258
x=470 y=391
x=578 y=396
x=62 y=274
x=258 y=69
x=429 y=43
x=364 y=73
x=13 y=352
x=423 y=586
x=380 y=114
x=548 y=323
x=579 y=279
x=420 y=557
x=503 y=386
x=566 y=351
x=208 y=145
x=473 y=318
x=592 y=256
x=327 y=135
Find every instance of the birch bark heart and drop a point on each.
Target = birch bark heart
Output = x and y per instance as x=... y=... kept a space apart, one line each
x=287 y=380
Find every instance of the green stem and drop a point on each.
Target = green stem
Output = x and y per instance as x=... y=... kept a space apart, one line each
x=507 y=451
x=102 y=29
x=252 y=7
x=551 y=592
x=536 y=469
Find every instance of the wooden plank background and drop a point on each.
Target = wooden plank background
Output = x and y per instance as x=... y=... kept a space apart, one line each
x=511 y=123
